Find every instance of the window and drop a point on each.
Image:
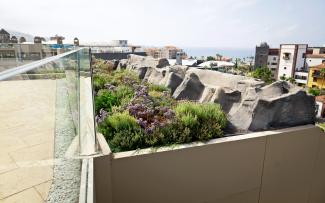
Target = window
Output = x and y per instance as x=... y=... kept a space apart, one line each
x=273 y=64
x=274 y=58
x=285 y=68
x=300 y=77
x=286 y=56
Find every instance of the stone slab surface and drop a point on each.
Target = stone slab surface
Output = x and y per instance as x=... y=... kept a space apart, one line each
x=27 y=123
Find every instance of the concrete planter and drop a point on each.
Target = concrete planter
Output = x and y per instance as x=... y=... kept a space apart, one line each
x=284 y=165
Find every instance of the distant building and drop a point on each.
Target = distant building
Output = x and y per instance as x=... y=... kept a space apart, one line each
x=179 y=58
x=22 y=39
x=315 y=79
x=292 y=63
x=37 y=40
x=154 y=52
x=76 y=41
x=4 y=36
x=267 y=57
x=320 y=106
x=169 y=52
x=315 y=56
x=58 y=39
x=119 y=43
x=261 y=55
x=14 y=40
x=273 y=61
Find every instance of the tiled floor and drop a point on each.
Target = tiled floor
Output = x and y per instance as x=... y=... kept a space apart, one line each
x=27 y=121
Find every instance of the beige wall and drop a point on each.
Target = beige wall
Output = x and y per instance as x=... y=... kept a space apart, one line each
x=274 y=166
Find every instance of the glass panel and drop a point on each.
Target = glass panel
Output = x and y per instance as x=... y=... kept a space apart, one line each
x=13 y=55
x=42 y=113
x=87 y=128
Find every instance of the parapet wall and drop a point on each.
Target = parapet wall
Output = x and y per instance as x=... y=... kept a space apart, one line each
x=284 y=166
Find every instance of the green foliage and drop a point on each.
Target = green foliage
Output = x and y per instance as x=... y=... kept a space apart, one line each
x=314 y=91
x=116 y=78
x=201 y=121
x=105 y=100
x=291 y=80
x=124 y=92
x=103 y=66
x=140 y=115
x=264 y=74
x=189 y=120
x=282 y=77
x=123 y=77
x=99 y=81
x=158 y=88
x=210 y=58
x=161 y=98
x=123 y=132
x=321 y=126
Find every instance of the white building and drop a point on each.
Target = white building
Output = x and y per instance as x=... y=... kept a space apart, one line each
x=292 y=62
x=273 y=61
x=118 y=43
x=315 y=56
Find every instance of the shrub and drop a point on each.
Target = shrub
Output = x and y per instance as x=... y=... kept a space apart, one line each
x=105 y=100
x=264 y=74
x=158 y=88
x=122 y=131
x=123 y=77
x=124 y=94
x=161 y=98
x=151 y=115
x=314 y=91
x=115 y=78
x=103 y=66
x=98 y=82
x=204 y=121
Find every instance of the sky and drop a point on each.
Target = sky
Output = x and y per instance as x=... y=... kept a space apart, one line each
x=240 y=24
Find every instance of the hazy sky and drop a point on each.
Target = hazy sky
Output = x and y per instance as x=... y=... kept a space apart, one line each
x=206 y=23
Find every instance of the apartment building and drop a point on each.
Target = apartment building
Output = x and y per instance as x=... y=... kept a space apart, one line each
x=267 y=57
x=292 y=63
x=273 y=61
x=169 y=52
x=261 y=55
x=315 y=56
x=315 y=78
x=14 y=48
x=4 y=36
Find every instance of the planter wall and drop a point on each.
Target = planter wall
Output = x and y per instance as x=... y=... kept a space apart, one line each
x=273 y=166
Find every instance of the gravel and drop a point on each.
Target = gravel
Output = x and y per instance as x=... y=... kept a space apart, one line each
x=66 y=177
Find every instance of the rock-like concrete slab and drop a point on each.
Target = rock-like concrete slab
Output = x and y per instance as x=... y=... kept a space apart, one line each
x=250 y=104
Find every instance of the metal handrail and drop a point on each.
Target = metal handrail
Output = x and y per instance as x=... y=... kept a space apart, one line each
x=33 y=65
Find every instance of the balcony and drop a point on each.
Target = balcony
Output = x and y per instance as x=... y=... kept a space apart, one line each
x=47 y=129
x=286 y=56
x=50 y=150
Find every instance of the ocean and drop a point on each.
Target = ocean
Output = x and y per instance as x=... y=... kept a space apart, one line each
x=212 y=51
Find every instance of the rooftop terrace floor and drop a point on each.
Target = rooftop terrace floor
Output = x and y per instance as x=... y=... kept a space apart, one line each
x=27 y=123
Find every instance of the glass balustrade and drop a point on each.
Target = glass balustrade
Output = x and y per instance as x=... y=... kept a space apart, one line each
x=46 y=126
